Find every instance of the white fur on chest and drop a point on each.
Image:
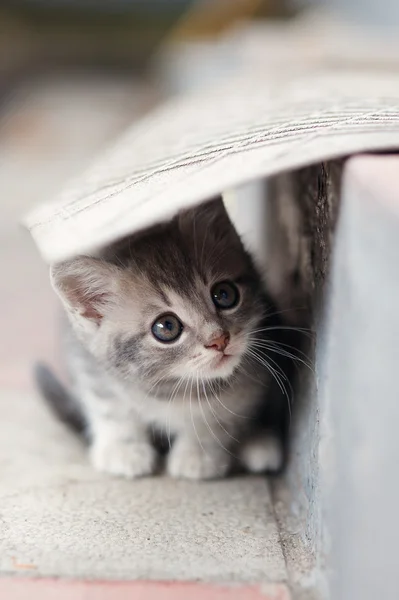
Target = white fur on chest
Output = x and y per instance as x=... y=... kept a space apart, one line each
x=173 y=415
x=176 y=415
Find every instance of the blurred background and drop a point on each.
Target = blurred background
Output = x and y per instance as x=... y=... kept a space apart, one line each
x=117 y=34
x=75 y=73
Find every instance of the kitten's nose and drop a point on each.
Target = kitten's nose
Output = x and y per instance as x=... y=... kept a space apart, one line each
x=220 y=342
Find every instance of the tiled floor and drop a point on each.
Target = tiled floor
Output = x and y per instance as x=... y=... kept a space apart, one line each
x=59 y=518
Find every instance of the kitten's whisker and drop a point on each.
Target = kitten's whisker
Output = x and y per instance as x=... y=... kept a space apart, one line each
x=276 y=376
x=277 y=368
x=147 y=395
x=288 y=382
x=304 y=330
x=229 y=410
x=285 y=354
x=170 y=402
x=185 y=391
x=215 y=415
x=278 y=343
x=215 y=437
x=116 y=257
x=256 y=380
x=273 y=347
x=192 y=416
x=260 y=358
x=268 y=314
x=157 y=382
x=278 y=380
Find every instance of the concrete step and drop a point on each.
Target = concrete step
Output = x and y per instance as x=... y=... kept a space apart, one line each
x=62 y=519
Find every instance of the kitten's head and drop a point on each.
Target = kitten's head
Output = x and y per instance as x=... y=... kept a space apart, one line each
x=177 y=301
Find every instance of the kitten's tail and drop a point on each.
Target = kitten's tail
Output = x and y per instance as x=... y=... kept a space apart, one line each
x=59 y=399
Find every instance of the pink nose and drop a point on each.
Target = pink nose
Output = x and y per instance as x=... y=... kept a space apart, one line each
x=220 y=342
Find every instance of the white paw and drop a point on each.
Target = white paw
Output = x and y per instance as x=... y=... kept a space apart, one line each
x=123 y=459
x=262 y=453
x=187 y=460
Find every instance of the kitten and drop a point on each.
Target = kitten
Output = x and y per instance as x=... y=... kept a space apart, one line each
x=170 y=331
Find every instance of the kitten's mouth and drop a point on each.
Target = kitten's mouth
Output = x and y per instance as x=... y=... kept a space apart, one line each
x=223 y=361
x=222 y=364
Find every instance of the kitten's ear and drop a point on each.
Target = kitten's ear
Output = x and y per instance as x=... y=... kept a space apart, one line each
x=87 y=286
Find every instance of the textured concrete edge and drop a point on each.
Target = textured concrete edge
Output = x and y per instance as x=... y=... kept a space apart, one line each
x=48 y=589
x=359 y=400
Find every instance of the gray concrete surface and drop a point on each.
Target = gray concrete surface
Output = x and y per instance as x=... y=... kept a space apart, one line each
x=359 y=400
x=64 y=520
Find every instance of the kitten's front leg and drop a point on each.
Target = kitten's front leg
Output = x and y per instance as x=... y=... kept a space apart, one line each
x=262 y=453
x=203 y=458
x=121 y=447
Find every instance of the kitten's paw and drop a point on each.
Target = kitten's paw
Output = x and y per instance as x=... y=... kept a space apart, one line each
x=187 y=460
x=262 y=454
x=134 y=459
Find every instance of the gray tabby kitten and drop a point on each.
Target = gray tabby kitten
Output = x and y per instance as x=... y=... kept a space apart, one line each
x=167 y=333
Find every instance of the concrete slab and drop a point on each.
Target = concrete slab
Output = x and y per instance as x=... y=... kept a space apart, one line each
x=359 y=400
x=60 y=518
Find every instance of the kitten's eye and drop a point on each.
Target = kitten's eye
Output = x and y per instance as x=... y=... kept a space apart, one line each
x=225 y=295
x=167 y=328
